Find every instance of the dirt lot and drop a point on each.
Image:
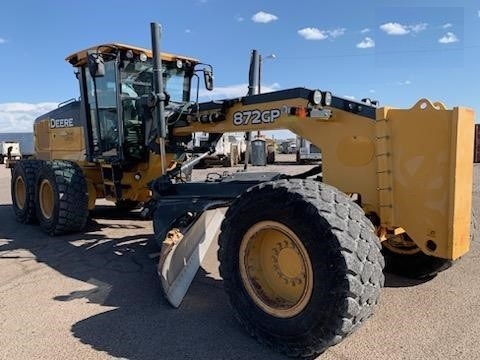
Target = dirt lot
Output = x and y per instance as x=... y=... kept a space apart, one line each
x=96 y=295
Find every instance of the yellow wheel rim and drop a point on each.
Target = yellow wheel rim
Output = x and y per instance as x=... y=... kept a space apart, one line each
x=20 y=192
x=401 y=244
x=46 y=199
x=275 y=269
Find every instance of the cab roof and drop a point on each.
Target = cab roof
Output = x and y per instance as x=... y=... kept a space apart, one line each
x=80 y=57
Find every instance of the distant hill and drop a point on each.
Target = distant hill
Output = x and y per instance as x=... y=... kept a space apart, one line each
x=25 y=140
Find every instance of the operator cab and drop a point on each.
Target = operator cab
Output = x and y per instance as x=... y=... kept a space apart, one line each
x=116 y=83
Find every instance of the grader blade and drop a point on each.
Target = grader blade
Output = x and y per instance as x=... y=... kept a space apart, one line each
x=183 y=252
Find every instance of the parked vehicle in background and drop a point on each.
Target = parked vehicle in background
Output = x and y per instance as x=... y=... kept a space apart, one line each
x=306 y=151
x=289 y=146
x=9 y=152
x=229 y=148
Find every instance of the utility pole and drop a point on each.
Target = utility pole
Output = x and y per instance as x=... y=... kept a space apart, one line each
x=260 y=63
x=253 y=86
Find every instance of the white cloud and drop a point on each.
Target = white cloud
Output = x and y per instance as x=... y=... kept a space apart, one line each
x=3 y=41
x=233 y=91
x=19 y=117
x=312 y=33
x=263 y=17
x=402 y=83
x=364 y=31
x=418 y=27
x=447 y=25
x=366 y=43
x=336 y=32
x=394 y=28
x=448 y=38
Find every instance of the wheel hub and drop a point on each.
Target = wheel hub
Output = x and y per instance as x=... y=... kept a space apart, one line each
x=20 y=193
x=46 y=199
x=275 y=269
x=287 y=263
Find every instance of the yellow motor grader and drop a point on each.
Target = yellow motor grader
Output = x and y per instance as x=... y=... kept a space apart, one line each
x=302 y=256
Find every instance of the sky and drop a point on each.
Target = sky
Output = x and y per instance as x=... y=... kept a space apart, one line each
x=396 y=52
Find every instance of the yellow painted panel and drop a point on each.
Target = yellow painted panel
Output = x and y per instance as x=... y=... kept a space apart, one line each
x=139 y=189
x=355 y=150
x=67 y=139
x=461 y=182
x=59 y=143
x=431 y=175
x=42 y=135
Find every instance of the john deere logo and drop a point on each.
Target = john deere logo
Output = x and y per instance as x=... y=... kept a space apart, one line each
x=61 y=123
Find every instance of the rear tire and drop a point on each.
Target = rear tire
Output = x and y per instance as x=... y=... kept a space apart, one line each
x=61 y=197
x=301 y=265
x=23 y=190
x=404 y=258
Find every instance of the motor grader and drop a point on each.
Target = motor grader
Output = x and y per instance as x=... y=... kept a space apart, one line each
x=301 y=256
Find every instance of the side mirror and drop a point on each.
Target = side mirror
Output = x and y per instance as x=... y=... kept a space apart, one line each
x=208 y=78
x=96 y=66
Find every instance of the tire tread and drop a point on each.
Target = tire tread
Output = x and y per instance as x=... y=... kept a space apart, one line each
x=356 y=242
x=71 y=211
x=28 y=170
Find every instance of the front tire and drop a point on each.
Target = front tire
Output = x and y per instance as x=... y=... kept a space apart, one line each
x=61 y=197
x=301 y=265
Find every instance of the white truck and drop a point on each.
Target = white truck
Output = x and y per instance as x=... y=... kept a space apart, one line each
x=306 y=151
x=229 y=148
x=9 y=153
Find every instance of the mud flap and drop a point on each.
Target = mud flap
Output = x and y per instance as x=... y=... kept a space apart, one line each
x=182 y=254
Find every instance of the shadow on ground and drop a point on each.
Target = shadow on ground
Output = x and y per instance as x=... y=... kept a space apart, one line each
x=396 y=281
x=122 y=272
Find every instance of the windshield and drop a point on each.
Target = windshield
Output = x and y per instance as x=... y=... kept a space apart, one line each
x=137 y=80
x=116 y=114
